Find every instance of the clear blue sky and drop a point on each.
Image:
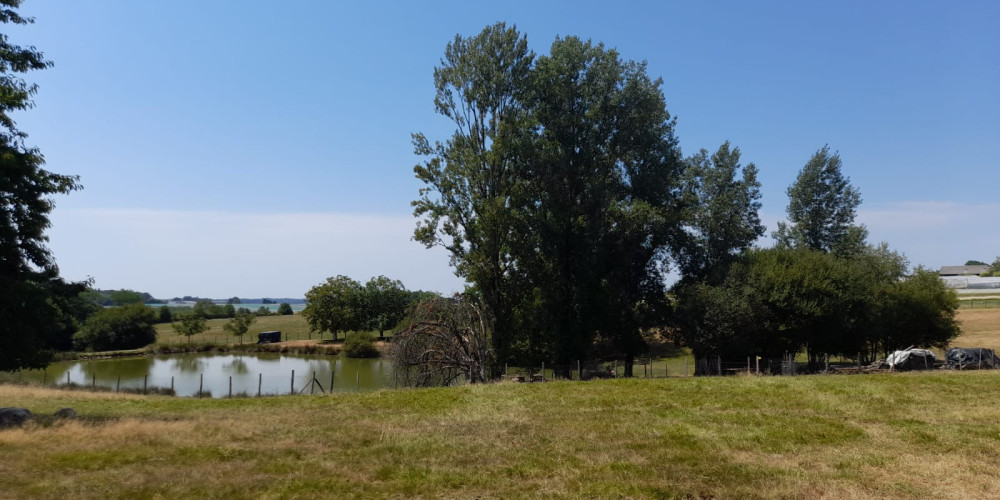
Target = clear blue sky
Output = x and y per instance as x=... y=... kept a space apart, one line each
x=254 y=148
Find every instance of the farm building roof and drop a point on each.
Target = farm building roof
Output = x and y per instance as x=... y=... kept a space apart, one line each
x=962 y=270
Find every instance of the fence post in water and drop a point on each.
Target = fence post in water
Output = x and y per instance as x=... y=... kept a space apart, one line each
x=312 y=383
x=332 y=375
x=93 y=381
x=260 y=380
x=292 y=384
x=172 y=385
x=230 y=386
x=118 y=386
x=145 y=378
x=67 y=376
x=201 y=383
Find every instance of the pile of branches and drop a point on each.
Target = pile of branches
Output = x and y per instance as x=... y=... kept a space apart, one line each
x=448 y=339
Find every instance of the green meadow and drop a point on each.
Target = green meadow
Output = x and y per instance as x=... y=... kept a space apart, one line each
x=916 y=435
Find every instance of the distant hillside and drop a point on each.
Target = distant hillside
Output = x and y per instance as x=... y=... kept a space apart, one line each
x=121 y=297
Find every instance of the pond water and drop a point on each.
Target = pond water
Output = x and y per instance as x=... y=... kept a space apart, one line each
x=212 y=372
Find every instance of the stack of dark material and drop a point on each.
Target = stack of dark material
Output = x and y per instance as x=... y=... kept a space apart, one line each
x=268 y=337
x=961 y=358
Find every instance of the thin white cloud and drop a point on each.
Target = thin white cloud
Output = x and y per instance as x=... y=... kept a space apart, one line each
x=219 y=254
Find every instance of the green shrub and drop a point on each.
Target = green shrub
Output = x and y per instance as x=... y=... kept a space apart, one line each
x=359 y=345
x=125 y=327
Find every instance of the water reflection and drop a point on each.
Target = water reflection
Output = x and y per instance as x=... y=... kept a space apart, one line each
x=250 y=374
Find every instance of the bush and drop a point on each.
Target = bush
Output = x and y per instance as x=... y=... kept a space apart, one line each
x=359 y=345
x=285 y=309
x=126 y=327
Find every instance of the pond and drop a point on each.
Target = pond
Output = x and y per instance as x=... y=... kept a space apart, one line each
x=212 y=373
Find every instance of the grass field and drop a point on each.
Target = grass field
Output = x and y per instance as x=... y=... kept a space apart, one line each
x=980 y=328
x=292 y=327
x=917 y=435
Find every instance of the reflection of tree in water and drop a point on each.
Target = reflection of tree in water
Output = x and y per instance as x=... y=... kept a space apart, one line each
x=189 y=364
x=238 y=367
x=111 y=368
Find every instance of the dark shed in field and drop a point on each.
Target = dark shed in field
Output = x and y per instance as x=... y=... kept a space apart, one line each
x=268 y=337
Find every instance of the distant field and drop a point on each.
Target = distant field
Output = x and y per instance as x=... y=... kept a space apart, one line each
x=980 y=328
x=292 y=327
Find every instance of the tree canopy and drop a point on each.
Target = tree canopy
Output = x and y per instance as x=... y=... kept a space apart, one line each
x=556 y=194
x=31 y=290
x=722 y=199
x=822 y=205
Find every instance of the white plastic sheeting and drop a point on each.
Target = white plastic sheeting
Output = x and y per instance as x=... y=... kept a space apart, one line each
x=903 y=358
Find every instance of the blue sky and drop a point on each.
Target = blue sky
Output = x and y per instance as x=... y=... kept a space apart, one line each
x=254 y=148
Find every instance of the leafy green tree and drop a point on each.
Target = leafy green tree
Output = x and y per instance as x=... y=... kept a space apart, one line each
x=125 y=327
x=190 y=325
x=234 y=300
x=239 y=325
x=723 y=204
x=384 y=304
x=30 y=286
x=471 y=178
x=781 y=300
x=285 y=309
x=822 y=205
x=917 y=311
x=599 y=202
x=263 y=311
x=164 y=315
x=975 y=263
x=334 y=306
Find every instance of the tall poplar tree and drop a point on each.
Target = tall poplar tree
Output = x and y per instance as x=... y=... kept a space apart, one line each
x=723 y=220
x=603 y=184
x=472 y=177
x=822 y=205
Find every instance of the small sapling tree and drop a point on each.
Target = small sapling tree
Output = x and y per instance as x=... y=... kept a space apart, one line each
x=239 y=325
x=190 y=325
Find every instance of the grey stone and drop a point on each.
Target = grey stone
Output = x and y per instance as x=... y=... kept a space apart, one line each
x=14 y=417
x=68 y=413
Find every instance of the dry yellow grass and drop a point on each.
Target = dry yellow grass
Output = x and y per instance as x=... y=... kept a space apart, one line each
x=980 y=328
x=918 y=435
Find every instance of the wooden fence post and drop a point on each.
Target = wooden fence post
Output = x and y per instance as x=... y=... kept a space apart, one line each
x=292 y=384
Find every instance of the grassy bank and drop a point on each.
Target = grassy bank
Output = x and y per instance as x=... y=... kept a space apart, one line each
x=920 y=435
x=292 y=327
